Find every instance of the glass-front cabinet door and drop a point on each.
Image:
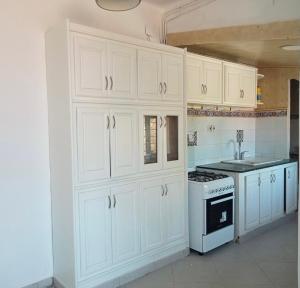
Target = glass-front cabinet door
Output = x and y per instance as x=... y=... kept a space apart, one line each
x=173 y=138
x=151 y=136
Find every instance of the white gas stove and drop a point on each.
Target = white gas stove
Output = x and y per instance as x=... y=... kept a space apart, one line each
x=211 y=210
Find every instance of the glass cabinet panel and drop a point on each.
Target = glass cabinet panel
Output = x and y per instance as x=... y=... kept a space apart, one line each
x=172 y=137
x=150 y=139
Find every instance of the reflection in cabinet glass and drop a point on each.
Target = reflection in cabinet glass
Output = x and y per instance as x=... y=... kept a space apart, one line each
x=172 y=137
x=150 y=139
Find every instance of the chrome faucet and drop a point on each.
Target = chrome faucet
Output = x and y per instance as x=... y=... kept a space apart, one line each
x=240 y=155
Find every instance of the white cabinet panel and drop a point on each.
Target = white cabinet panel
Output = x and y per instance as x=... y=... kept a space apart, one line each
x=212 y=81
x=248 y=87
x=193 y=80
x=152 y=215
x=172 y=77
x=124 y=142
x=232 y=94
x=149 y=75
x=265 y=199
x=95 y=231
x=125 y=219
x=291 y=189
x=90 y=64
x=92 y=143
x=277 y=193
x=174 y=208
x=251 y=201
x=122 y=71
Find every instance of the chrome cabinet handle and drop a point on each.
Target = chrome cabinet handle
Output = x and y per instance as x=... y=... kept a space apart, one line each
x=241 y=93
x=111 y=82
x=205 y=89
x=202 y=89
x=160 y=87
x=108 y=122
x=271 y=178
x=106 y=83
x=115 y=201
x=167 y=190
x=114 y=120
x=109 y=202
x=165 y=85
x=163 y=190
x=161 y=122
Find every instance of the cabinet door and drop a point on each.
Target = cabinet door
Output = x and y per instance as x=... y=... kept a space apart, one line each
x=124 y=142
x=174 y=208
x=149 y=75
x=151 y=128
x=125 y=222
x=92 y=143
x=90 y=67
x=173 y=140
x=172 y=78
x=152 y=215
x=277 y=193
x=232 y=93
x=265 y=199
x=291 y=189
x=248 y=87
x=213 y=82
x=251 y=201
x=122 y=71
x=94 y=231
x=193 y=79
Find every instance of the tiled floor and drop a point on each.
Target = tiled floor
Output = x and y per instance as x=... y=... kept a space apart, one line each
x=268 y=260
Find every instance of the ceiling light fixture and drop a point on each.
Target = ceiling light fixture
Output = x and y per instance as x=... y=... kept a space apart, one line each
x=291 y=47
x=118 y=5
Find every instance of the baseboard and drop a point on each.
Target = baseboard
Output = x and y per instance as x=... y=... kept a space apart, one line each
x=46 y=283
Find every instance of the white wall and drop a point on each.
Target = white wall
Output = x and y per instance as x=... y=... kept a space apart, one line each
x=25 y=218
x=222 y=13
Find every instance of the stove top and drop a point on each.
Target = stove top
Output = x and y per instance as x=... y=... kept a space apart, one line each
x=203 y=176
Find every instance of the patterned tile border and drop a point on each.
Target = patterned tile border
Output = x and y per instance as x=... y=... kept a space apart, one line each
x=198 y=112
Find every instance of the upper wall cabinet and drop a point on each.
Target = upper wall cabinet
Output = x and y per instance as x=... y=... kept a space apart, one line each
x=104 y=69
x=160 y=76
x=203 y=80
x=239 y=85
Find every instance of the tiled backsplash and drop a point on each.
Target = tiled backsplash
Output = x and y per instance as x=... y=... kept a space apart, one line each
x=262 y=137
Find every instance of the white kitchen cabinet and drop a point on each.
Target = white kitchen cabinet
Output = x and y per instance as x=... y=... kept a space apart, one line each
x=277 y=183
x=152 y=215
x=251 y=201
x=291 y=188
x=92 y=138
x=125 y=222
x=239 y=85
x=95 y=231
x=160 y=76
x=265 y=197
x=124 y=141
x=104 y=68
x=204 y=80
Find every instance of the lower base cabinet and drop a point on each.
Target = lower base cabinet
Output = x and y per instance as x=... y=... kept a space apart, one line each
x=291 y=188
x=120 y=223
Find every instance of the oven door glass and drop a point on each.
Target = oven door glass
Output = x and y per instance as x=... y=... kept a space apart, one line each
x=219 y=212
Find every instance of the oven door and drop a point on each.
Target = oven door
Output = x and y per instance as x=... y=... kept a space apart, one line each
x=219 y=212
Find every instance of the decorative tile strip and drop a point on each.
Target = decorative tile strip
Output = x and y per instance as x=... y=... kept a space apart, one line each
x=198 y=112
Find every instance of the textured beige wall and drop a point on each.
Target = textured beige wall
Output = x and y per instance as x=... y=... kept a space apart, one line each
x=275 y=86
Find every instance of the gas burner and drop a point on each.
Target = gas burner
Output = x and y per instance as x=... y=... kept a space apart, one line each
x=204 y=176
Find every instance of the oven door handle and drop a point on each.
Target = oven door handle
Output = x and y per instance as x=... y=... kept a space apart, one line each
x=221 y=200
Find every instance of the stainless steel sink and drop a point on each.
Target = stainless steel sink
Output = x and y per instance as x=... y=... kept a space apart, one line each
x=252 y=162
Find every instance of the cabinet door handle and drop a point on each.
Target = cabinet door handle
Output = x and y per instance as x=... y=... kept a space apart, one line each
x=205 y=86
x=289 y=174
x=114 y=119
x=271 y=178
x=161 y=122
x=165 y=86
x=167 y=190
x=111 y=82
x=274 y=178
x=115 y=201
x=109 y=202
x=106 y=82
x=202 y=89
x=259 y=181
x=242 y=93
x=160 y=87
x=163 y=190
x=108 y=122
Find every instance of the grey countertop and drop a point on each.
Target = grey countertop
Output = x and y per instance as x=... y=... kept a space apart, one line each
x=237 y=168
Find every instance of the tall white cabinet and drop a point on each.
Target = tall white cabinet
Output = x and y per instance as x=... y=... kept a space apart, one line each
x=116 y=126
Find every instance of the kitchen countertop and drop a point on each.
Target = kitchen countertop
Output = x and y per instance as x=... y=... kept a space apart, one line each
x=238 y=168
